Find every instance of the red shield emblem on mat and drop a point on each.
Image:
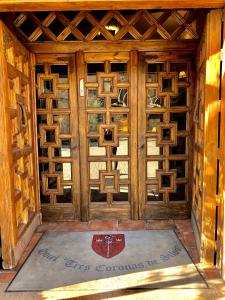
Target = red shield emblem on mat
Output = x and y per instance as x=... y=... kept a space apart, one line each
x=108 y=245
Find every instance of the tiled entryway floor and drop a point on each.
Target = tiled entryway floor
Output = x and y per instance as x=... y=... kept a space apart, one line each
x=184 y=231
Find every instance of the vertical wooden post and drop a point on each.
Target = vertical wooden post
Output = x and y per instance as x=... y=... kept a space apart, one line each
x=212 y=85
x=141 y=138
x=83 y=137
x=34 y=134
x=134 y=110
x=221 y=214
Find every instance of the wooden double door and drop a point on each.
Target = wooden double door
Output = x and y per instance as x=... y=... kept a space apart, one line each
x=113 y=135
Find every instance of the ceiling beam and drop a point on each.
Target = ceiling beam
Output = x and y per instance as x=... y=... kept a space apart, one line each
x=60 y=5
x=71 y=47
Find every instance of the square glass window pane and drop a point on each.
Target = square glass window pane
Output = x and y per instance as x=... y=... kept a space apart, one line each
x=109 y=182
x=181 y=99
x=180 y=119
x=153 y=100
x=178 y=165
x=95 y=167
x=62 y=71
x=153 y=194
x=180 y=194
x=122 y=149
x=50 y=135
x=152 y=148
x=48 y=86
x=66 y=169
x=153 y=120
x=94 y=120
x=43 y=167
x=107 y=85
x=63 y=101
x=166 y=181
x=41 y=103
x=152 y=166
x=65 y=150
x=123 y=167
x=121 y=100
x=166 y=134
x=67 y=195
x=122 y=121
x=42 y=152
x=63 y=121
x=121 y=69
x=152 y=72
x=45 y=199
x=41 y=119
x=96 y=196
x=123 y=195
x=94 y=149
x=181 y=69
x=180 y=148
x=93 y=100
x=166 y=84
x=39 y=69
x=92 y=70
x=52 y=183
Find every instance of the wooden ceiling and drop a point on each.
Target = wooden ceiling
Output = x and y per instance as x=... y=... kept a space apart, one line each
x=60 y=5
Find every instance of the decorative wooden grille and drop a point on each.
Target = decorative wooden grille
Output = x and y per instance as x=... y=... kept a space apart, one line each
x=166 y=132
x=20 y=109
x=58 y=167
x=138 y=25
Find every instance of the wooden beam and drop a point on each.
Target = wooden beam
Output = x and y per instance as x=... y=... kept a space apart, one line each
x=212 y=87
x=96 y=46
x=221 y=212
x=60 y=5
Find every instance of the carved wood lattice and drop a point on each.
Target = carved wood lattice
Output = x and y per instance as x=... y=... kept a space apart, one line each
x=19 y=104
x=107 y=25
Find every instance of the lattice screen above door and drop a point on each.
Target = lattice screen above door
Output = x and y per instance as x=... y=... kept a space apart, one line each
x=141 y=25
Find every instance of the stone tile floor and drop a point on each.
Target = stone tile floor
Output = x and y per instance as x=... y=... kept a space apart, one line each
x=185 y=233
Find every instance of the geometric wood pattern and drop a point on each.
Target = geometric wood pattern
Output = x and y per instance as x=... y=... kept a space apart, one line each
x=166 y=134
x=57 y=137
x=106 y=25
x=164 y=150
x=19 y=194
x=108 y=135
x=109 y=181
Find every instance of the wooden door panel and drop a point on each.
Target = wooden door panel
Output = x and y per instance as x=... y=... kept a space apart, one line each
x=164 y=136
x=19 y=196
x=58 y=141
x=108 y=134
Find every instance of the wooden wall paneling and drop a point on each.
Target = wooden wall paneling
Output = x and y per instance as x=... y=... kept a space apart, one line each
x=134 y=135
x=8 y=220
x=20 y=200
x=40 y=5
x=83 y=136
x=198 y=124
x=213 y=35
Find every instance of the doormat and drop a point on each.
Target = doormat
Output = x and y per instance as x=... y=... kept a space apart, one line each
x=108 y=260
